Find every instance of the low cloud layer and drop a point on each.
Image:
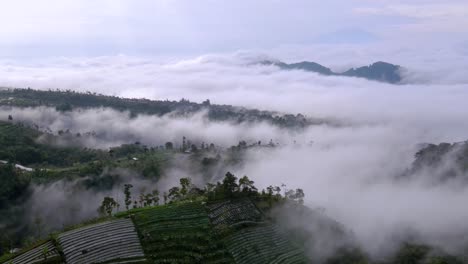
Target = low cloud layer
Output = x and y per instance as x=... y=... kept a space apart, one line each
x=349 y=170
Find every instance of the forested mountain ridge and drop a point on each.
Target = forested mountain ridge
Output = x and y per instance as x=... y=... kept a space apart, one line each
x=446 y=161
x=378 y=71
x=67 y=100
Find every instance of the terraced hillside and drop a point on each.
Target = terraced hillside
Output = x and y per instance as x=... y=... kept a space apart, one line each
x=232 y=231
x=109 y=242
x=249 y=238
x=263 y=244
x=45 y=253
x=179 y=234
x=228 y=213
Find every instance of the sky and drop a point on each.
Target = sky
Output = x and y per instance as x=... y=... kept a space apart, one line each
x=54 y=28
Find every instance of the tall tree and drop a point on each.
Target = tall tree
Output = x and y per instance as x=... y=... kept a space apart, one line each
x=107 y=206
x=246 y=185
x=128 y=197
x=174 y=194
x=185 y=184
x=230 y=185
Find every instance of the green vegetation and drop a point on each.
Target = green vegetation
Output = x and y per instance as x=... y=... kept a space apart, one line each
x=20 y=144
x=68 y=100
x=179 y=233
x=263 y=244
x=229 y=221
x=220 y=223
x=40 y=252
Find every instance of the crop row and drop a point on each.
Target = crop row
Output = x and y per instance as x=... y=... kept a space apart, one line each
x=185 y=211
x=113 y=240
x=263 y=244
x=179 y=234
x=232 y=212
x=41 y=254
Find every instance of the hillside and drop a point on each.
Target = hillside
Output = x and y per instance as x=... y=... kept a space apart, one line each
x=68 y=100
x=378 y=71
x=145 y=219
x=230 y=222
x=176 y=233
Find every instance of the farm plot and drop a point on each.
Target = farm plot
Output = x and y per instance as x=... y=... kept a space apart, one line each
x=233 y=212
x=110 y=242
x=179 y=234
x=45 y=253
x=263 y=244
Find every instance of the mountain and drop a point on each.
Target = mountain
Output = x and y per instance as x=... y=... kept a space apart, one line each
x=378 y=71
x=304 y=65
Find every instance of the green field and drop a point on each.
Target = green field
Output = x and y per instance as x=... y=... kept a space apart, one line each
x=179 y=234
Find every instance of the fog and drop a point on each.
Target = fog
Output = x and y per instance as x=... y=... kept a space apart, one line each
x=349 y=170
x=76 y=202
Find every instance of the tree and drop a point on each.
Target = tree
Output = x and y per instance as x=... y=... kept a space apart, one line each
x=169 y=145
x=174 y=194
x=150 y=198
x=206 y=102
x=230 y=184
x=10 y=118
x=155 y=195
x=185 y=183
x=142 y=197
x=297 y=195
x=128 y=197
x=246 y=185
x=107 y=206
x=277 y=189
x=300 y=196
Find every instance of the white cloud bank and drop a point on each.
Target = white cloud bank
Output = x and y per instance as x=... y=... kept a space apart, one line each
x=349 y=170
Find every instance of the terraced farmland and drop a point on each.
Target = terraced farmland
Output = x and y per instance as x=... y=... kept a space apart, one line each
x=249 y=238
x=263 y=244
x=45 y=253
x=179 y=234
x=109 y=242
x=233 y=231
x=232 y=212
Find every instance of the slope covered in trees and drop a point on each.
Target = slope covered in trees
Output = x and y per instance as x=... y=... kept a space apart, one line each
x=378 y=71
x=68 y=100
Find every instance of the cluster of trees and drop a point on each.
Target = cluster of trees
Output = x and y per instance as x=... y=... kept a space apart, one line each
x=230 y=187
x=13 y=184
x=19 y=144
x=13 y=191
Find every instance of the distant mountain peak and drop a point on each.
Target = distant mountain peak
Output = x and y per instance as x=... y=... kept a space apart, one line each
x=378 y=71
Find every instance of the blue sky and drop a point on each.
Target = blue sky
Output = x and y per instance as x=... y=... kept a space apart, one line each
x=187 y=27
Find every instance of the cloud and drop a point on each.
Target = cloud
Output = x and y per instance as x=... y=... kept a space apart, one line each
x=349 y=170
x=111 y=128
